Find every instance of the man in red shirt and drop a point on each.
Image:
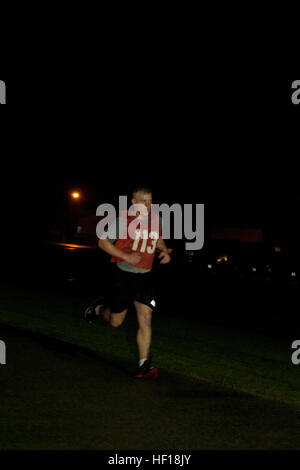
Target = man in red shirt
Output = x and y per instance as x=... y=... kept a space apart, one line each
x=133 y=256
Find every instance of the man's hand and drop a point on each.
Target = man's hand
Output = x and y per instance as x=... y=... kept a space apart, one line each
x=132 y=258
x=165 y=257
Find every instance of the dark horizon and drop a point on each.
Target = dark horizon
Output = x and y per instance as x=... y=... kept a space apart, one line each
x=240 y=190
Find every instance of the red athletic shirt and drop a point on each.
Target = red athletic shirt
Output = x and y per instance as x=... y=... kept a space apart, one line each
x=141 y=237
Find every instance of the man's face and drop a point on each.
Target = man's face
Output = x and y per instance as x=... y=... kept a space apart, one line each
x=143 y=198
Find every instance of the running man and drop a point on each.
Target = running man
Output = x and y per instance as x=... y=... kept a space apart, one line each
x=133 y=257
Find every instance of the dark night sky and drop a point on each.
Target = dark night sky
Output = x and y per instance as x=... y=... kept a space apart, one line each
x=231 y=145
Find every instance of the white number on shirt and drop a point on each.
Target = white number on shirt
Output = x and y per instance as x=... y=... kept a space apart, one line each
x=150 y=249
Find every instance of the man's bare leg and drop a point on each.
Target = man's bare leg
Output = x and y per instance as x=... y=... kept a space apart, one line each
x=144 y=333
x=114 y=319
x=105 y=312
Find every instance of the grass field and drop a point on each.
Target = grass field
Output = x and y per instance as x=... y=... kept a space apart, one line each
x=219 y=388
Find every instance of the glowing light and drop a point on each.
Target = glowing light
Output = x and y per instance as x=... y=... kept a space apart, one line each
x=72 y=246
x=75 y=195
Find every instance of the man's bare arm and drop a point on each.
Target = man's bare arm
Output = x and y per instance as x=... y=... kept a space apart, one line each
x=112 y=250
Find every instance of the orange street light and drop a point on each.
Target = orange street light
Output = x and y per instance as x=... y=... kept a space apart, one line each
x=75 y=195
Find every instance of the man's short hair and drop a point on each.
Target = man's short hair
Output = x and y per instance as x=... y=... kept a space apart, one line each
x=144 y=188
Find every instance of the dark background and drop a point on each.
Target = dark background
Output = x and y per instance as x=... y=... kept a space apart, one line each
x=229 y=142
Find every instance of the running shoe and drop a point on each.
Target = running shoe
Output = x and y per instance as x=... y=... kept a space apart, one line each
x=146 y=371
x=93 y=310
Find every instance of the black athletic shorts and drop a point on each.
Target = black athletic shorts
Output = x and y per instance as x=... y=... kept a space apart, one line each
x=127 y=287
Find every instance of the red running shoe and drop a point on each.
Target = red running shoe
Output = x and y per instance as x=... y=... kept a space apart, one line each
x=147 y=371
